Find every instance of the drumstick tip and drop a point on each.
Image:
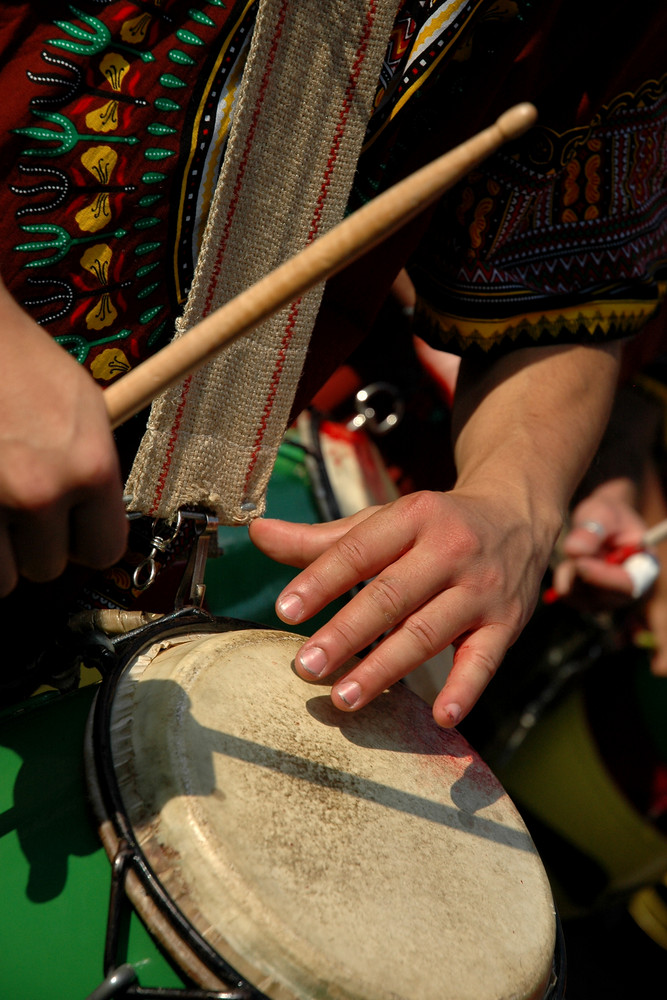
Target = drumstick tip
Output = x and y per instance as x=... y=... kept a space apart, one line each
x=517 y=120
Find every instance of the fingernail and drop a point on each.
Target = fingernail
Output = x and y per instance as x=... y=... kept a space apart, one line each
x=454 y=712
x=290 y=606
x=349 y=692
x=313 y=660
x=594 y=528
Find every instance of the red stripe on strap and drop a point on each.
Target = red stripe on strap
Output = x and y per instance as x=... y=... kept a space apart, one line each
x=217 y=266
x=173 y=437
x=343 y=117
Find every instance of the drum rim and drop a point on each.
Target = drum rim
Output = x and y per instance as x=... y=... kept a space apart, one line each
x=139 y=881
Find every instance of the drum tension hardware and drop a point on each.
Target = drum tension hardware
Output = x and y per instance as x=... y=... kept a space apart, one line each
x=121 y=980
x=371 y=402
x=192 y=588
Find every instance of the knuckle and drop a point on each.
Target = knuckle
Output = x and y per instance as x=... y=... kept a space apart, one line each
x=480 y=661
x=43 y=570
x=31 y=493
x=434 y=512
x=462 y=541
x=95 y=470
x=387 y=597
x=345 y=635
x=486 y=663
x=352 y=552
x=420 y=505
x=490 y=579
x=422 y=631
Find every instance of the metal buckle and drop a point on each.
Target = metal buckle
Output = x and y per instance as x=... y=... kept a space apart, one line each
x=192 y=588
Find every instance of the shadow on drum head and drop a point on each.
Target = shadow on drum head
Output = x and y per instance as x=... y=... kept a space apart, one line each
x=471 y=791
x=374 y=728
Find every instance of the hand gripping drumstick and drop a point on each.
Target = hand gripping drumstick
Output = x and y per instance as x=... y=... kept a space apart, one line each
x=318 y=261
x=642 y=566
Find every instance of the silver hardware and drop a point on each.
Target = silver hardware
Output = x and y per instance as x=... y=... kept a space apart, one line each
x=192 y=587
x=146 y=572
x=367 y=404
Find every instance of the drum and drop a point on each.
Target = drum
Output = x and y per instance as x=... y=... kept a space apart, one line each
x=278 y=848
x=590 y=776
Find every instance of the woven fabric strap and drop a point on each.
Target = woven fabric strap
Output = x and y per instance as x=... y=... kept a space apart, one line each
x=306 y=98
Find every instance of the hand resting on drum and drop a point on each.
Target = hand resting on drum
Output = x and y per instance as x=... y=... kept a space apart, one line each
x=462 y=567
x=60 y=484
x=439 y=572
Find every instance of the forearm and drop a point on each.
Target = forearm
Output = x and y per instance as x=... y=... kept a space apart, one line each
x=527 y=427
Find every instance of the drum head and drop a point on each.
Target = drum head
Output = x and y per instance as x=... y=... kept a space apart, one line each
x=323 y=854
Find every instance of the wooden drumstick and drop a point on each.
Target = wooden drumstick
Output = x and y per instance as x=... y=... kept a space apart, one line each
x=321 y=259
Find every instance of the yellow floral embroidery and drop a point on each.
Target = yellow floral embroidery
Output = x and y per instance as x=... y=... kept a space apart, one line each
x=109 y=364
x=105 y=119
x=134 y=31
x=99 y=161
x=96 y=260
x=103 y=314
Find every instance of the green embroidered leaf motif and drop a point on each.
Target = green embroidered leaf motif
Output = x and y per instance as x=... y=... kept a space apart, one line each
x=181 y=58
x=91 y=42
x=188 y=38
x=66 y=139
x=201 y=17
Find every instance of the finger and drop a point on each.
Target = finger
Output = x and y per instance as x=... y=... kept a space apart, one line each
x=8 y=572
x=564 y=576
x=296 y=544
x=659 y=662
x=419 y=637
x=41 y=543
x=606 y=576
x=586 y=538
x=385 y=603
x=359 y=555
x=476 y=661
x=98 y=532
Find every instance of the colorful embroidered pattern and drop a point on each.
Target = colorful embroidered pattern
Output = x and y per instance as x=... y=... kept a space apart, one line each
x=122 y=127
x=113 y=141
x=562 y=237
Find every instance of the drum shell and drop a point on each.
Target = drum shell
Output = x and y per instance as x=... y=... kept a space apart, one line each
x=582 y=779
x=49 y=832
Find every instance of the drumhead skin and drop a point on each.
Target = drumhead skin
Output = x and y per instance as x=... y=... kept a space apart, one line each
x=324 y=854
